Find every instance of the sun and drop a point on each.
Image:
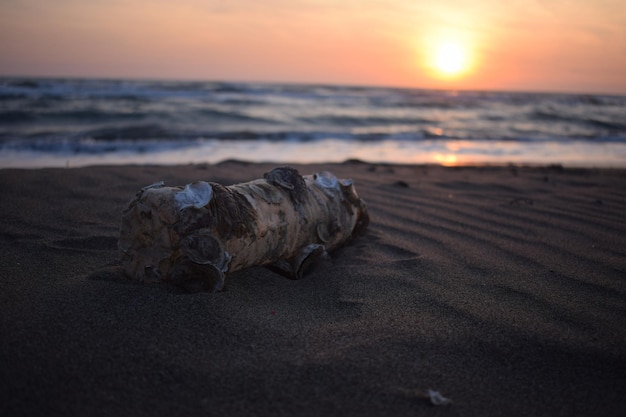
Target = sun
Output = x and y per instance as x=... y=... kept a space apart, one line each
x=450 y=59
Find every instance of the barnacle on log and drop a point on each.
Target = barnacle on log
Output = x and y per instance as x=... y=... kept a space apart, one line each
x=192 y=236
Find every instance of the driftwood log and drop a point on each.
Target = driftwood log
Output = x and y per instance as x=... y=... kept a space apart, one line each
x=192 y=236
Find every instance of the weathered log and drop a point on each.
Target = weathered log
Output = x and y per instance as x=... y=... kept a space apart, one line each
x=192 y=236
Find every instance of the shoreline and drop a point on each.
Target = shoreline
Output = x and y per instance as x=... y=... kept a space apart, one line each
x=575 y=154
x=501 y=287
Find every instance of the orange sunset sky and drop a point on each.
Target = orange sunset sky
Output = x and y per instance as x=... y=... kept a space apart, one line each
x=536 y=45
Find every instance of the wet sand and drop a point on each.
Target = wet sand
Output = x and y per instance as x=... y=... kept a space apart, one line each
x=503 y=288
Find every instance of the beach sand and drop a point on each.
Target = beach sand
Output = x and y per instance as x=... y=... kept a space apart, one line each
x=503 y=288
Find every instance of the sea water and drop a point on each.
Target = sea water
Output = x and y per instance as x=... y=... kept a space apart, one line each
x=77 y=122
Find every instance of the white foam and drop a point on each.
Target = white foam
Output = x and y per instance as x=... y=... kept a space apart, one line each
x=444 y=152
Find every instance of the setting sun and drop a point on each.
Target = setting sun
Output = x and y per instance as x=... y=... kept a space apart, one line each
x=450 y=59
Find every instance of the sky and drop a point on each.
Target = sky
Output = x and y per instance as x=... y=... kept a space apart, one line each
x=532 y=45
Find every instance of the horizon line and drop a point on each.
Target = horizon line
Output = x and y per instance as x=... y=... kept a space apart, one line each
x=509 y=90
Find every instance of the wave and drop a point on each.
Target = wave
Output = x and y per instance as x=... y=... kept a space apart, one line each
x=90 y=116
x=613 y=122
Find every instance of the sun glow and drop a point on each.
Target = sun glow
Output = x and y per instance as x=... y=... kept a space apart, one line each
x=450 y=58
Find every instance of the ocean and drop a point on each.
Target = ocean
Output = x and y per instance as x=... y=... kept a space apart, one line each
x=79 y=122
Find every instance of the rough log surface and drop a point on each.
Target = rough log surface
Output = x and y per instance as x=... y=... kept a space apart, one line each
x=192 y=236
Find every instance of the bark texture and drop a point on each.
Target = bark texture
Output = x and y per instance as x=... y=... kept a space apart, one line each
x=193 y=236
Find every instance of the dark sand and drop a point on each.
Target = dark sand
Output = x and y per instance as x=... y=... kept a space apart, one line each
x=502 y=288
